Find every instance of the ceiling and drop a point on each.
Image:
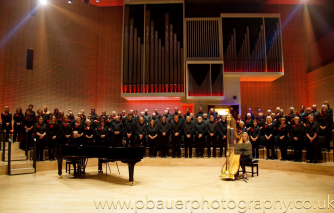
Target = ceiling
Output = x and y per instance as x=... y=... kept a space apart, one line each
x=115 y=3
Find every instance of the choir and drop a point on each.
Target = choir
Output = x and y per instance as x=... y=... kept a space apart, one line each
x=131 y=129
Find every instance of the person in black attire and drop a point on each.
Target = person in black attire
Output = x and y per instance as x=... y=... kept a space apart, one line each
x=88 y=133
x=102 y=132
x=254 y=133
x=329 y=109
x=241 y=128
x=187 y=114
x=32 y=113
x=200 y=130
x=141 y=132
x=212 y=128
x=283 y=134
x=248 y=122
x=18 y=119
x=66 y=131
x=56 y=113
x=104 y=115
x=302 y=114
x=315 y=112
x=152 y=134
x=60 y=119
x=205 y=119
x=93 y=114
x=244 y=159
x=212 y=112
x=238 y=120
x=222 y=130
x=6 y=118
x=155 y=118
x=83 y=116
x=40 y=130
x=269 y=131
x=260 y=123
x=130 y=130
x=53 y=136
x=117 y=129
x=176 y=130
x=28 y=125
x=325 y=121
x=252 y=117
x=71 y=119
x=175 y=113
x=274 y=120
x=164 y=130
x=78 y=129
x=181 y=119
x=313 y=152
x=45 y=114
x=157 y=114
x=297 y=134
x=188 y=129
x=200 y=113
x=147 y=116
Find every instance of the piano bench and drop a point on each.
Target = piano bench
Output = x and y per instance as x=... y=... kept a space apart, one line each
x=68 y=163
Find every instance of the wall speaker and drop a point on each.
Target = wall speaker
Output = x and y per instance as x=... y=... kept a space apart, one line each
x=30 y=59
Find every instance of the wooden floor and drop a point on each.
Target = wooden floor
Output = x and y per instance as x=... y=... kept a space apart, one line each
x=43 y=192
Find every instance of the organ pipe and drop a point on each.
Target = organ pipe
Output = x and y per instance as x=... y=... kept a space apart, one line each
x=130 y=55
x=126 y=49
x=147 y=51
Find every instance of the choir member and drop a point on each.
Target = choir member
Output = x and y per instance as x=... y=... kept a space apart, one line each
x=53 y=136
x=78 y=131
x=212 y=112
x=308 y=112
x=147 y=116
x=102 y=132
x=28 y=125
x=200 y=130
x=254 y=134
x=49 y=117
x=248 y=122
x=205 y=119
x=222 y=130
x=60 y=118
x=238 y=120
x=329 y=109
x=290 y=115
x=260 y=123
x=251 y=115
x=157 y=114
x=45 y=113
x=169 y=115
x=302 y=114
x=154 y=117
x=269 y=131
x=83 y=116
x=188 y=128
x=6 y=118
x=278 y=112
x=212 y=128
x=18 y=119
x=104 y=115
x=164 y=133
x=187 y=114
x=142 y=115
x=141 y=132
x=313 y=152
x=274 y=120
x=65 y=130
x=242 y=128
x=325 y=122
x=88 y=133
x=268 y=113
x=93 y=114
x=315 y=112
x=71 y=118
x=130 y=130
x=40 y=130
x=176 y=112
x=200 y=113
x=283 y=134
x=56 y=113
x=39 y=115
x=176 y=130
x=244 y=159
x=181 y=119
x=152 y=134
x=218 y=117
x=96 y=122
x=117 y=129
x=297 y=134
x=258 y=116
x=32 y=113
x=123 y=116
x=168 y=118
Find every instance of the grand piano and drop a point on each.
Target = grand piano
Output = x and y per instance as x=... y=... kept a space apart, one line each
x=128 y=155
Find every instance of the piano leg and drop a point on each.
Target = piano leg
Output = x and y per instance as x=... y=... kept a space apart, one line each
x=131 y=170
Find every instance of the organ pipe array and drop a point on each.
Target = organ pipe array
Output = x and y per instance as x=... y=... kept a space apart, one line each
x=151 y=67
x=246 y=59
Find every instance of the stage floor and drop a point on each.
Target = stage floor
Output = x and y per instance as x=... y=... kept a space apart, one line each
x=44 y=192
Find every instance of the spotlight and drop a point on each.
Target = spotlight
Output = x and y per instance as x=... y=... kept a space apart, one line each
x=97 y=0
x=43 y=2
x=69 y=1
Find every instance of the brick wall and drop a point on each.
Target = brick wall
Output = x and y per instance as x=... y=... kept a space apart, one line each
x=77 y=61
